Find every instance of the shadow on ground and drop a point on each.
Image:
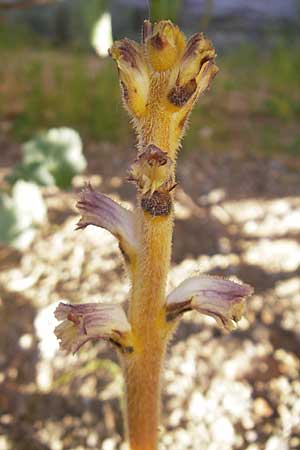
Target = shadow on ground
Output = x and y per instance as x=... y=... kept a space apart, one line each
x=236 y=215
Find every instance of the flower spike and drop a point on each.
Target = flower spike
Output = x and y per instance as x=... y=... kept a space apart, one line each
x=222 y=299
x=84 y=322
x=161 y=79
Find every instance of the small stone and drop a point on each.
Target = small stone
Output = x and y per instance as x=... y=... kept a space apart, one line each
x=276 y=443
x=108 y=444
x=223 y=431
x=262 y=407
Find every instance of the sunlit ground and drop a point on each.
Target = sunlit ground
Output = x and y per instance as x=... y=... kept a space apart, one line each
x=236 y=215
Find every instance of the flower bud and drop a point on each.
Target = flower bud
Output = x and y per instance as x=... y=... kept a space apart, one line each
x=133 y=73
x=198 y=51
x=197 y=69
x=222 y=299
x=165 y=46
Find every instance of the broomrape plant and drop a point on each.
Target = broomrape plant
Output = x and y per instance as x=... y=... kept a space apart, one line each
x=161 y=79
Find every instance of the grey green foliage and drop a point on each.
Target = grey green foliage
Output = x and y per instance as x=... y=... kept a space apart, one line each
x=20 y=214
x=51 y=158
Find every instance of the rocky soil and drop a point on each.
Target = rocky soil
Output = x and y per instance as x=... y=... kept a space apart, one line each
x=236 y=215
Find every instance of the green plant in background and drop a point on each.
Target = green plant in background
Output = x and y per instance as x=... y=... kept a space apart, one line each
x=161 y=80
x=91 y=11
x=51 y=158
x=91 y=104
x=20 y=214
x=164 y=9
x=15 y=37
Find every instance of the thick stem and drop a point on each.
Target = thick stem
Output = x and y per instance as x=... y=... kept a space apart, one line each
x=147 y=312
x=161 y=80
x=142 y=378
x=147 y=318
x=149 y=279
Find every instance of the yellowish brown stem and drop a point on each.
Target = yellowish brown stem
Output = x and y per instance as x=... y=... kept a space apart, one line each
x=156 y=127
x=147 y=318
x=142 y=378
x=147 y=313
x=160 y=81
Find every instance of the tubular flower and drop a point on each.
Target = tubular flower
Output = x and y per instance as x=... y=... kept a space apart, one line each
x=83 y=322
x=99 y=210
x=222 y=299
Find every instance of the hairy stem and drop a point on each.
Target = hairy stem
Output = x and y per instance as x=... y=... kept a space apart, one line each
x=142 y=378
x=161 y=79
x=147 y=312
x=160 y=82
x=147 y=318
x=159 y=126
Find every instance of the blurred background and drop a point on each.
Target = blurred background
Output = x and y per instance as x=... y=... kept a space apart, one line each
x=237 y=214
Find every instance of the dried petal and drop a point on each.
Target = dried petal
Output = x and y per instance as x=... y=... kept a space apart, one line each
x=222 y=299
x=99 y=210
x=81 y=323
x=151 y=170
x=157 y=204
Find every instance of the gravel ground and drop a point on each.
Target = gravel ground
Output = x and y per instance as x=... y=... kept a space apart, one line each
x=236 y=215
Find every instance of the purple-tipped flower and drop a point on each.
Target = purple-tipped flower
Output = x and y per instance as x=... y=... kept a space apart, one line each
x=99 y=210
x=222 y=299
x=83 y=322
